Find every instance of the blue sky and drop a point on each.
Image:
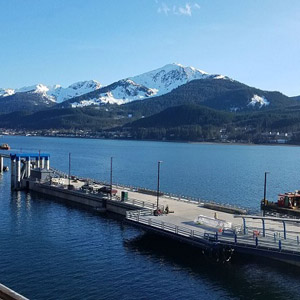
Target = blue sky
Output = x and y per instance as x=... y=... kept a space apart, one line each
x=63 y=41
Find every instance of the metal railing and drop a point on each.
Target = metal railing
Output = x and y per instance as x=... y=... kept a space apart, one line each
x=59 y=173
x=227 y=238
x=140 y=203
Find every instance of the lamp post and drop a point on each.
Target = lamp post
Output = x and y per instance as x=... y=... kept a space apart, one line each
x=39 y=166
x=158 y=182
x=111 y=176
x=39 y=162
x=69 y=170
x=265 y=187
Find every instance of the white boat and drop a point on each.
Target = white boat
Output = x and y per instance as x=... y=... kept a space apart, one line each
x=213 y=222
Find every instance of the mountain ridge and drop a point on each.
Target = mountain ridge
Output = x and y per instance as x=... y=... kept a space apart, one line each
x=55 y=93
x=167 y=86
x=149 y=84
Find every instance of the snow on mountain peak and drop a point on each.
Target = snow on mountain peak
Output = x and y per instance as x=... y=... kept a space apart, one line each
x=56 y=93
x=42 y=89
x=90 y=84
x=169 y=77
x=61 y=94
x=38 y=88
x=154 y=83
x=6 y=92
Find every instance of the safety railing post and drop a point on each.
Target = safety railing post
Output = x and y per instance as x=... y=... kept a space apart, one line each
x=279 y=245
x=284 y=230
x=244 y=225
x=263 y=227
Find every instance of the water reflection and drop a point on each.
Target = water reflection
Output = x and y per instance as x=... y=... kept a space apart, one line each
x=243 y=278
x=28 y=202
x=17 y=201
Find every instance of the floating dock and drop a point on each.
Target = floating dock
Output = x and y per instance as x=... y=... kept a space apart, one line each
x=268 y=237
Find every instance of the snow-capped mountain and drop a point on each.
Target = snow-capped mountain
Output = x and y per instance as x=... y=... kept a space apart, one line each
x=120 y=92
x=55 y=93
x=60 y=94
x=170 y=85
x=6 y=92
x=154 y=83
x=169 y=77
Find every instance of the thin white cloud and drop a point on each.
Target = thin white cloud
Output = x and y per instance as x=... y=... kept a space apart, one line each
x=185 y=10
x=163 y=9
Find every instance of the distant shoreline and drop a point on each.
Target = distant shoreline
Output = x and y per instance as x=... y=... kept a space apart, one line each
x=164 y=141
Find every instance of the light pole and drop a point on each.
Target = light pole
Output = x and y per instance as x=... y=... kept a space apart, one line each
x=39 y=162
x=69 y=170
x=111 y=176
x=158 y=182
x=265 y=187
x=39 y=166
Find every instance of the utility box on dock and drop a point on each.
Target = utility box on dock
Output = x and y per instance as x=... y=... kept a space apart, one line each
x=124 y=196
x=41 y=175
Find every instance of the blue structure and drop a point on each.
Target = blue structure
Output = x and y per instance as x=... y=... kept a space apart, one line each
x=30 y=155
x=29 y=161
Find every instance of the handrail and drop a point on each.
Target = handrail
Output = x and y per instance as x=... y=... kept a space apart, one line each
x=267 y=218
x=235 y=239
x=140 y=203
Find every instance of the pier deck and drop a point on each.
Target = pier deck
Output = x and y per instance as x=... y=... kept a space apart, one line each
x=256 y=235
x=251 y=233
x=185 y=213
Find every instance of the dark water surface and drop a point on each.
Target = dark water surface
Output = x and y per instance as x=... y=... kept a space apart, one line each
x=50 y=250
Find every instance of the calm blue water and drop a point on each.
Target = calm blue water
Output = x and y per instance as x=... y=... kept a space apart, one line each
x=50 y=250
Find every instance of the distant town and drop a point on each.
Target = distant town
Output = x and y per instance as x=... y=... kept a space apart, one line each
x=223 y=136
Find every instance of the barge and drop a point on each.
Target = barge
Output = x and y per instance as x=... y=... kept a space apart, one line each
x=287 y=204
